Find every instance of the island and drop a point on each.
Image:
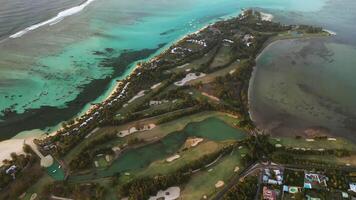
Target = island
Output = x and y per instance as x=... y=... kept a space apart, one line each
x=178 y=127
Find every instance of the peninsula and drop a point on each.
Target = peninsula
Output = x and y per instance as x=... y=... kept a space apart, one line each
x=179 y=128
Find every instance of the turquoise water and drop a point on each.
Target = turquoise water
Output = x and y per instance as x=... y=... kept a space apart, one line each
x=50 y=66
x=212 y=129
x=55 y=171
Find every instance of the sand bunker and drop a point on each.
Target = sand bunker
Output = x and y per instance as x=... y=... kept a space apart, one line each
x=219 y=184
x=192 y=142
x=155 y=86
x=171 y=193
x=132 y=130
x=173 y=158
x=138 y=95
x=189 y=77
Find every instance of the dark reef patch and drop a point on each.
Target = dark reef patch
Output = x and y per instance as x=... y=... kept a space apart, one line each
x=47 y=116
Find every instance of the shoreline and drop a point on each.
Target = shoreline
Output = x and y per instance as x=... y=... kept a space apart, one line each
x=161 y=49
x=9 y=125
x=266 y=46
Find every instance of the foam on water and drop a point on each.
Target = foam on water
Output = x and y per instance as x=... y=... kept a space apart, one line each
x=54 y=20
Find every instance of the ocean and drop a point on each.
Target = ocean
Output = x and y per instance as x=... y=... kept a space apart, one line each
x=17 y=15
x=52 y=53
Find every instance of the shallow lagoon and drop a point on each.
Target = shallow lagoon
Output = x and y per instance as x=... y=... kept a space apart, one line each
x=303 y=87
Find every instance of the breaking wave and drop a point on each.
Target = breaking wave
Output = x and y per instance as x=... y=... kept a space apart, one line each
x=60 y=16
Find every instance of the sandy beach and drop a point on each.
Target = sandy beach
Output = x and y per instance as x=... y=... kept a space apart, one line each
x=9 y=146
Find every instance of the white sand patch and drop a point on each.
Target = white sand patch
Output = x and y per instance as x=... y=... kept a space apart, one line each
x=196 y=141
x=182 y=66
x=107 y=158
x=116 y=149
x=266 y=16
x=173 y=158
x=171 y=193
x=219 y=184
x=232 y=71
x=33 y=196
x=92 y=132
x=138 y=95
x=155 y=86
x=237 y=169
x=210 y=96
x=330 y=32
x=189 y=77
x=332 y=139
x=124 y=133
x=9 y=146
x=278 y=145
x=188 y=70
x=309 y=140
x=96 y=163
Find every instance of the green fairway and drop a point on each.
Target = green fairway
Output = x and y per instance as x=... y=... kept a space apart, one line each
x=203 y=183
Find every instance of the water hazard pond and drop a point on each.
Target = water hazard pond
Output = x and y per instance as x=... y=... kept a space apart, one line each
x=212 y=129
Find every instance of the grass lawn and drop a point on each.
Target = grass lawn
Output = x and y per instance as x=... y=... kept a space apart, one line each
x=195 y=64
x=188 y=156
x=203 y=183
x=330 y=159
x=179 y=124
x=121 y=113
x=38 y=186
x=223 y=57
x=212 y=76
x=340 y=143
x=102 y=161
x=79 y=147
x=162 y=107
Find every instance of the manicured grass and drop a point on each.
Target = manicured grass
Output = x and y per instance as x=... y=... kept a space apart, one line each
x=329 y=159
x=38 y=186
x=203 y=183
x=195 y=64
x=102 y=161
x=179 y=124
x=221 y=72
x=188 y=156
x=223 y=57
x=340 y=143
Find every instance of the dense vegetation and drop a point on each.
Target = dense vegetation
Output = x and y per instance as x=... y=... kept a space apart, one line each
x=28 y=170
x=243 y=190
x=90 y=191
x=85 y=158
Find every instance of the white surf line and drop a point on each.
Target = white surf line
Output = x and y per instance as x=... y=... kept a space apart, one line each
x=60 y=16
